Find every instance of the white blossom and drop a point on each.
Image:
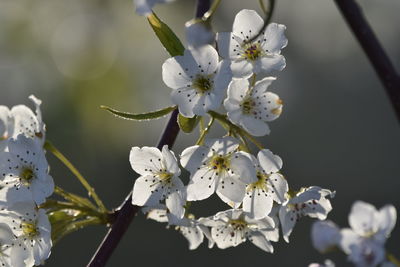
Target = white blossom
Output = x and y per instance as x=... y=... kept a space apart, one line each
x=32 y=228
x=21 y=120
x=259 y=56
x=159 y=179
x=311 y=201
x=232 y=227
x=325 y=235
x=364 y=241
x=24 y=172
x=251 y=107
x=198 y=80
x=270 y=185
x=144 y=7
x=218 y=166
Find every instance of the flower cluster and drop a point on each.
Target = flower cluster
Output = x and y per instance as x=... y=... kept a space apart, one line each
x=25 y=183
x=365 y=241
x=252 y=186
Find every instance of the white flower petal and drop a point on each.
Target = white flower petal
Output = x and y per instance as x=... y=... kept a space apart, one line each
x=241 y=68
x=247 y=24
x=222 y=146
x=177 y=71
x=145 y=160
x=363 y=218
x=325 y=235
x=225 y=236
x=318 y=209
x=222 y=78
x=288 y=221
x=25 y=122
x=175 y=203
x=147 y=191
x=269 y=63
x=186 y=99
x=158 y=215
x=269 y=162
x=211 y=101
x=206 y=58
x=254 y=126
x=279 y=185
x=242 y=166
x=228 y=45
x=275 y=38
x=171 y=164
x=387 y=219
x=194 y=236
x=257 y=203
x=348 y=239
x=261 y=86
x=202 y=185
x=232 y=189
x=260 y=241
x=235 y=116
x=193 y=157
x=237 y=89
x=307 y=194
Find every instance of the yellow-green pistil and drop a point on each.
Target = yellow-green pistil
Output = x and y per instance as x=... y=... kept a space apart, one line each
x=30 y=229
x=165 y=176
x=27 y=175
x=202 y=83
x=252 y=51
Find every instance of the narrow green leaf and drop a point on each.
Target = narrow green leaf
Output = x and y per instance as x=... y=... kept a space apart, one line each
x=187 y=124
x=166 y=36
x=143 y=116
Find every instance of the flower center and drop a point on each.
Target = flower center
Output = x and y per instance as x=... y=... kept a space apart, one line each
x=260 y=184
x=220 y=163
x=252 y=51
x=248 y=105
x=30 y=229
x=165 y=176
x=238 y=224
x=27 y=175
x=202 y=83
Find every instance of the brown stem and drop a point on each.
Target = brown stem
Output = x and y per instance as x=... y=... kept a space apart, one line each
x=371 y=46
x=126 y=212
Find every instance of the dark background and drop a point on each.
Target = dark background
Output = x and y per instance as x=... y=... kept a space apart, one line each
x=337 y=129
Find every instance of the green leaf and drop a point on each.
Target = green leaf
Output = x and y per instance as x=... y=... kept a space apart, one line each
x=187 y=124
x=143 y=116
x=166 y=36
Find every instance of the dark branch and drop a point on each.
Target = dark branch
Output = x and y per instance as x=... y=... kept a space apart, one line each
x=127 y=211
x=377 y=56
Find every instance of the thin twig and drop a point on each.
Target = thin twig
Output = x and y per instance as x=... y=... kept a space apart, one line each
x=127 y=211
x=377 y=56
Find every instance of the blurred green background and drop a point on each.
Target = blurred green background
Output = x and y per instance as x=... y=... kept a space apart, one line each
x=337 y=130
